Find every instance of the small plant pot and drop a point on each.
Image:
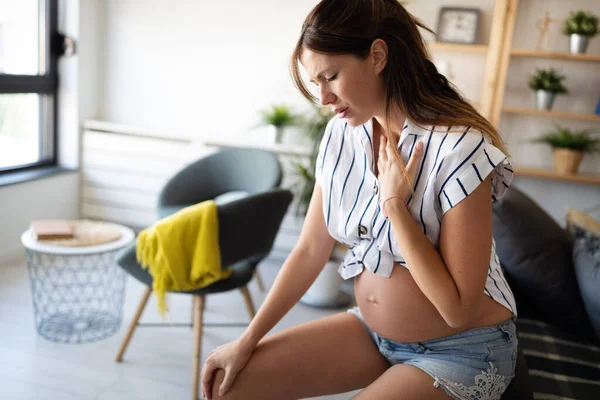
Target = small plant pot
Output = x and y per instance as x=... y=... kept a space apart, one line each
x=579 y=44
x=566 y=161
x=326 y=290
x=276 y=133
x=544 y=99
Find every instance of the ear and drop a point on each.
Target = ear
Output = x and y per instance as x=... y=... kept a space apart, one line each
x=379 y=55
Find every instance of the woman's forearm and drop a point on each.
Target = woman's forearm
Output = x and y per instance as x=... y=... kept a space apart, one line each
x=298 y=272
x=425 y=264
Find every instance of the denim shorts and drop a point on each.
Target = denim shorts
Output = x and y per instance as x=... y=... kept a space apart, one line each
x=477 y=364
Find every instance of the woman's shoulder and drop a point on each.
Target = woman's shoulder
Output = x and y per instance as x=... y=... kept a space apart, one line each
x=459 y=142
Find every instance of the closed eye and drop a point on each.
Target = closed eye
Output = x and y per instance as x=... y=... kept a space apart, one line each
x=331 y=78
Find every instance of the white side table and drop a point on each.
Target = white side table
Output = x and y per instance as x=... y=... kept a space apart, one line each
x=77 y=292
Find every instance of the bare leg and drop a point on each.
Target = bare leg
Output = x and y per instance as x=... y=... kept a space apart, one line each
x=404 y=382
x=330 y=355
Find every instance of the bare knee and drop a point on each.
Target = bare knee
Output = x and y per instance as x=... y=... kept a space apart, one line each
x=234 y=393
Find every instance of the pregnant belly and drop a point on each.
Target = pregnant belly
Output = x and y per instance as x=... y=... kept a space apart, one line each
x=397 y=309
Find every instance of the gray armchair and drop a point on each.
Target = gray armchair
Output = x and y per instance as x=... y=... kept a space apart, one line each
x=250 y=210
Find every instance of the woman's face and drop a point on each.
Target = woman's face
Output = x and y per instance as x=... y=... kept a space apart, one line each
x=351 y=86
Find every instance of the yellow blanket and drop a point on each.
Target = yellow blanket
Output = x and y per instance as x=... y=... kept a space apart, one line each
x=182 y=251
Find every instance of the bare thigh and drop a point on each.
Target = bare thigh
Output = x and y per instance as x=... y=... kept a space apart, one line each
x=330 y=355
x=404 y=382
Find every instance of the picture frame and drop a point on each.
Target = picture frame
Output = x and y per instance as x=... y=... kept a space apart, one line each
x=458 y=25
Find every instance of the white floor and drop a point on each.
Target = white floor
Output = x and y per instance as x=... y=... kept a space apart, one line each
x=32 y=368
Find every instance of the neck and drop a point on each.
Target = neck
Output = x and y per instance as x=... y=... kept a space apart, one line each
x=397 y=123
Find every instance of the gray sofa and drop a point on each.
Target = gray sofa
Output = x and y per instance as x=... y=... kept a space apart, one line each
x=555 y=277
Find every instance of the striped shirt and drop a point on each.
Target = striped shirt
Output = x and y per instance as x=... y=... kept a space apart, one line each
x=452 y=166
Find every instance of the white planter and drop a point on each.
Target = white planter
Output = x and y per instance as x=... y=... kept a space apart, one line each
x=578 y=44
x=276 y=132
x=544 y=99
x=325 y=291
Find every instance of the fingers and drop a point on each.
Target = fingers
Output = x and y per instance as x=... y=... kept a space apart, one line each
x=382 y=148
x=227 y=381
x=206 y=379
x=415 y=159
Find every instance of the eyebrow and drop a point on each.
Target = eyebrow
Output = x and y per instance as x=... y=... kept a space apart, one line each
x=319 y=76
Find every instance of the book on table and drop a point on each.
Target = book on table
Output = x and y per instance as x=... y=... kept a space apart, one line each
x=46 y=229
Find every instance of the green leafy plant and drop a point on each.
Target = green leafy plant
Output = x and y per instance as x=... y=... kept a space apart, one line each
x=548 y=80
x=279 y=116
x=564 y=138
x=581 y=23
x=314 y=127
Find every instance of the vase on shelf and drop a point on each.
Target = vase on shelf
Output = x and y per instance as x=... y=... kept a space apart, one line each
x=544 y=99
x=578 y=43
x=566 y=161
x=276 y=133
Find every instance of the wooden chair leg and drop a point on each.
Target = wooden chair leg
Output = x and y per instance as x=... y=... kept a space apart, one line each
x=193 y=311
x=133 y=324
x=197 y=321
x=248 y=300
x=259 y=280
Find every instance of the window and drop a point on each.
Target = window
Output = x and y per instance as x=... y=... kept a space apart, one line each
x=28 y=83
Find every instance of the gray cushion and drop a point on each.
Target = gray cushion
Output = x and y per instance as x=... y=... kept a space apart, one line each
x=586 y=256
x=241 y=273
x=536 y=254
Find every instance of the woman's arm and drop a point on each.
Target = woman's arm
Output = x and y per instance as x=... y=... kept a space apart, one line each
x=453 y=279
x=299 y=271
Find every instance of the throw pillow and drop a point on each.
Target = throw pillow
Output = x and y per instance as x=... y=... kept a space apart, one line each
x=586 y=257
x=536 y=254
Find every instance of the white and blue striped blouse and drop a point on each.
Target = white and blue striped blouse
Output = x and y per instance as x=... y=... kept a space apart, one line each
x=454 y=163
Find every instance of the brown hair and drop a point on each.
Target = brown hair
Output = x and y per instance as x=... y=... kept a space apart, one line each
x=412 y=81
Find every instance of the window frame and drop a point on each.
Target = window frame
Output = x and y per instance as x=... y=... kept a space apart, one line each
x=43 y=84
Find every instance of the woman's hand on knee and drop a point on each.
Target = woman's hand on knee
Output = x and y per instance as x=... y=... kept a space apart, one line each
x=232 y=358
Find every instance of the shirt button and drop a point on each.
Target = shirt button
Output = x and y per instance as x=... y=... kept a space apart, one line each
x=375 y=189
x=362 y=230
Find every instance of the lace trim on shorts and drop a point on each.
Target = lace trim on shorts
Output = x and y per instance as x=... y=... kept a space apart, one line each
x=489 y=385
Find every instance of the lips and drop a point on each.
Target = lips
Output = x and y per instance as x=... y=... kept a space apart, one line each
x=341 y=112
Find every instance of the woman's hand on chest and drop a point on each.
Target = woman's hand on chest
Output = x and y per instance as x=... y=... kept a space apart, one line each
x=392 y=180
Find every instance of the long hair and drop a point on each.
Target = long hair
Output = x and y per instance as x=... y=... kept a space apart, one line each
x=412 y=82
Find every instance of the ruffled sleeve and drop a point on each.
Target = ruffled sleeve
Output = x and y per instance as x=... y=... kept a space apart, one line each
x=468 y=164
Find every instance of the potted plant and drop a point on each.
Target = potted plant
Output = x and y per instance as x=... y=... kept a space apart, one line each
x=580 y=26
x=547 y=84
x=569 y=147
x=278 y=117
x=325 y=291
x=314 y=128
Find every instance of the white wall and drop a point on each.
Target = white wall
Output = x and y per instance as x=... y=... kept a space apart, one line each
x=198 y=68
x=58 y=197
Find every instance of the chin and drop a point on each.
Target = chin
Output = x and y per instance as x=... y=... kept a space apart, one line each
x=356 y=121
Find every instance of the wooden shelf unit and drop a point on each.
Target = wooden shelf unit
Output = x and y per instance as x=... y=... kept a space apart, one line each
x=499 y=53
x=464 y=48
x=549 y=173
x=554 y=54
x=551 y=113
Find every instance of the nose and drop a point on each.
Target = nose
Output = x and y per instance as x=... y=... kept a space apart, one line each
x=326 y=96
